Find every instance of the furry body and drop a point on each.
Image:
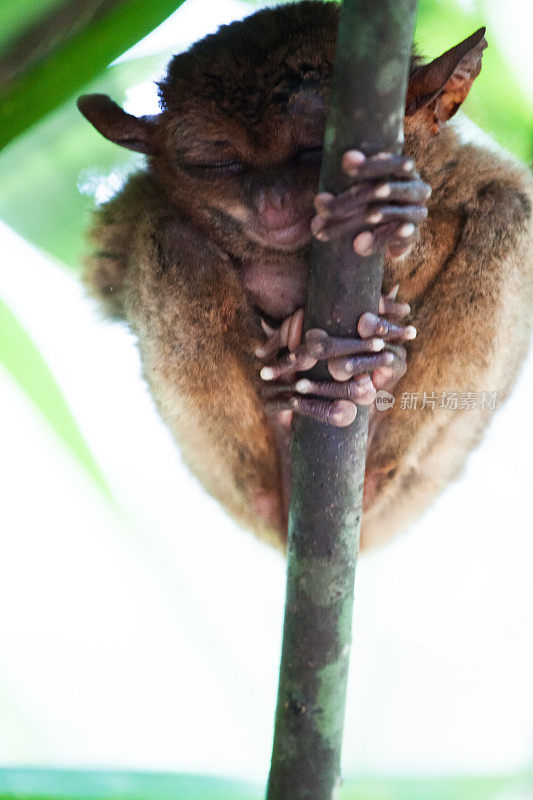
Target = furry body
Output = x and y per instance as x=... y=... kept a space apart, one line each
x=170 y=257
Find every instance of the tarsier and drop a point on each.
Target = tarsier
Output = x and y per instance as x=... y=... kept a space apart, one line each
x=205 y=255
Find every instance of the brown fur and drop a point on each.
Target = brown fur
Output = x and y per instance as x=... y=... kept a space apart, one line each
x=178 y=256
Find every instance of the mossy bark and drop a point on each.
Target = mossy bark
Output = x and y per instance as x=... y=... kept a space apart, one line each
x=366 y=112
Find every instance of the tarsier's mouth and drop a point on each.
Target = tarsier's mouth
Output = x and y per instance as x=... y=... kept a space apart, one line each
x=287 y=237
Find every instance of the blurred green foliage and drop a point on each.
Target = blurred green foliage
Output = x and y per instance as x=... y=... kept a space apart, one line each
x=28 y=784
x=74 y=60
x=39 y=199
x=15 y=16
x=496 y=102
x=41 y=170
x=23 y=360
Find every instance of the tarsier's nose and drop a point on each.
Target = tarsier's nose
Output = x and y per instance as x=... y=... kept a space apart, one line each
x=275 y=205
x=278 y=194
x=274 y=196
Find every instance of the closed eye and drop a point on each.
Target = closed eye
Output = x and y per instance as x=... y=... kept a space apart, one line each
x=219 y=167
x=309 y=155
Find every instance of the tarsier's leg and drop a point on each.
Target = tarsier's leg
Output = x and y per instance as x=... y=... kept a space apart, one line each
x=382 y=211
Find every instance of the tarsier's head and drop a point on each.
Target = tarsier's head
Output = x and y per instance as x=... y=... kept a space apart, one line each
x=239 y=139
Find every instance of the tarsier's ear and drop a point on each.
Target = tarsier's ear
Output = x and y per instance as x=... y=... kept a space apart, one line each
x=109 y=119
x=439 y=88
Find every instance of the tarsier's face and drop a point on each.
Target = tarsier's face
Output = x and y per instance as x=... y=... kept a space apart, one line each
x=259 y=176
x=243 y=122
x=237 y=145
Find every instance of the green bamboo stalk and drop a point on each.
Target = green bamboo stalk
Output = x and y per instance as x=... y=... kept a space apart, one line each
x=366 y=112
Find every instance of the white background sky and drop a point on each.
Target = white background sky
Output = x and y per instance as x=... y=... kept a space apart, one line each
x=150 y=638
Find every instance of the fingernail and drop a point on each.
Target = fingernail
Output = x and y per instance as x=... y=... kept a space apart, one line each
x=409 y=165
x=393 y=292
x=315 y=349
x=267 y=373
x=383 y=374
x=406 y=230
x=383 y=191
x=322 y=202
x=410 y=332
x=303 y=386
x=374 y=218
x=294 y=334
x=363 y=243
x=377 y=345
x=317 y=339
x=353 y=158
x=285 y=417
x=344 y=412
x=317 y=223
x=366 y=326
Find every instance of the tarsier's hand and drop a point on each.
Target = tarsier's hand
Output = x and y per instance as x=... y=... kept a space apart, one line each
x=359 y=366
x=382 y=209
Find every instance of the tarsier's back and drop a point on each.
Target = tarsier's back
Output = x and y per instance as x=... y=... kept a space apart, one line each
x=205 y=256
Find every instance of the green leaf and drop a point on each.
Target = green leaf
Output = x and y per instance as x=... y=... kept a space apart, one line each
x=17 y=15
x=23 y=360
x=41 y=169
x=75 y=62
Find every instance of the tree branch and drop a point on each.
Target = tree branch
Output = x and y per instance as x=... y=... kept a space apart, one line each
x=366 y=112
